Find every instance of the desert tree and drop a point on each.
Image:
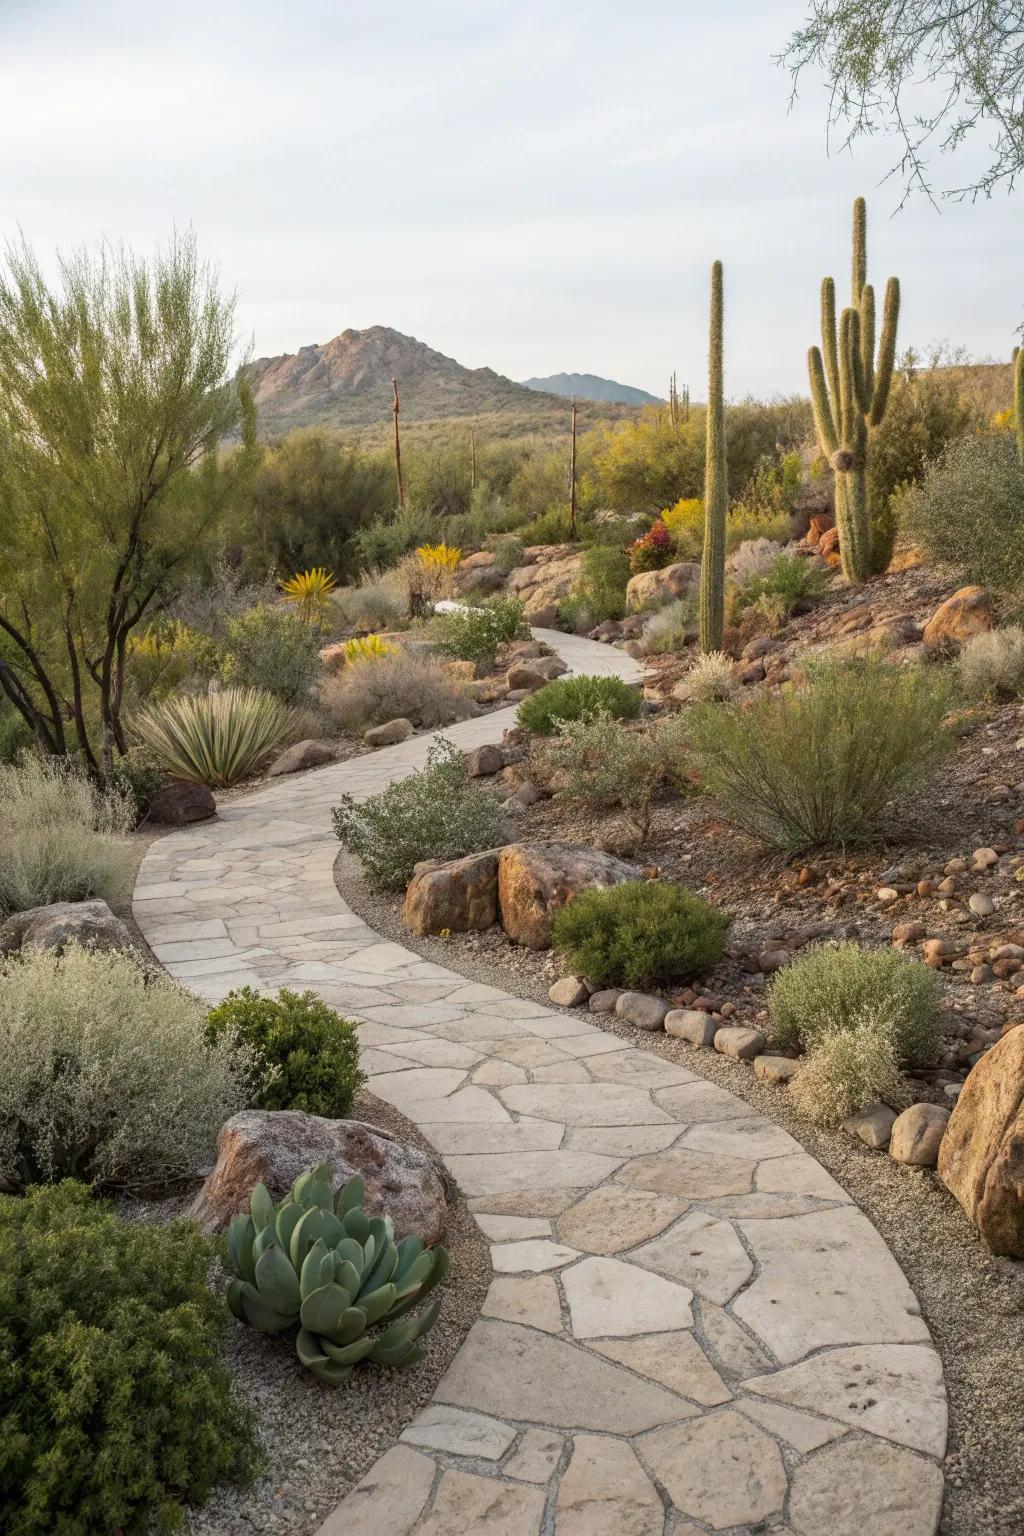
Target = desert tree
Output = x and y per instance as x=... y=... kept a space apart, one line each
x=116 y=399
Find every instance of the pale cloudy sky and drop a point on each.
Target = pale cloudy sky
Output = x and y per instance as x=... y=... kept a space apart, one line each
x=529 y=185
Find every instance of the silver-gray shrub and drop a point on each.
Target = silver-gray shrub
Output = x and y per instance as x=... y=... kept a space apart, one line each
x=833 y=989
x=108 y=1075
x=968 y=510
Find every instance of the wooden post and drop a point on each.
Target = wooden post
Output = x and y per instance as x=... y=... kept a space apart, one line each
x=398 y=446
x=572 y=478
x=472 y=460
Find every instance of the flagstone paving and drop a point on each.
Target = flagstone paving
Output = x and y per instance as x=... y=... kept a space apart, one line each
x=691 y=1327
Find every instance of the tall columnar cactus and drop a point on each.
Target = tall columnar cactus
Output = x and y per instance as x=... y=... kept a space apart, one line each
x=850 y=391
x=1018 y=396
x=716 y=490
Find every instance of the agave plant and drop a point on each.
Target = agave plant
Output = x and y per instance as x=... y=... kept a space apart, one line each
x=214 y=738
x=309 y=590
x=366 y=648
x=339 y=1274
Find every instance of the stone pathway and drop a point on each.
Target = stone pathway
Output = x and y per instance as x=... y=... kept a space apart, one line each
x=691 y=1327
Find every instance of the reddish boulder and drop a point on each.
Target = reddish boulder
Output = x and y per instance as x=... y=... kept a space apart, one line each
x=179 y=803
x=534 y=881
x=461 y=895
x=967 y=613
x=981 y=1159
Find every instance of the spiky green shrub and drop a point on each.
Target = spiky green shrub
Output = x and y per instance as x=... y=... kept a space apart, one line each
x=716 y=482
x=832 y=989
x=323 y=1264
x=116 y=1409
x=967 y=511
x=308 y=1054
x=815 y=764
x=276 y=648
x=850 y=393
x=991 y=665
x=108 y=1074
x=850 y=1069
x=63 y=837
x=215 y=738
x=639 y=934
x=578 y=698
x=792 y=584
x=476 y=633
x=436 y=813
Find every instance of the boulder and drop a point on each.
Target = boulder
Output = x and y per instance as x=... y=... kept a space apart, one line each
x=179 y=803
x=535 y=880
x=526 y=677
x=916 y=1135
x=739 y=1043
x=568 y=992
x=304 y=754
x=273 y=1147
x=485 y=760
x=648 y=589
x=461 y=895
x=872 y=1125
x=775 y=1069
x=981 y=1159
x=388 y=734
x=543 y=582
x=605 y=1000
x=968 y=612
x=90 y=924
x=691 y=1024
x=639 y=1009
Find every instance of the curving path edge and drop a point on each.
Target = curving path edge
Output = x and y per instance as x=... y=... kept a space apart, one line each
x=691 y=1326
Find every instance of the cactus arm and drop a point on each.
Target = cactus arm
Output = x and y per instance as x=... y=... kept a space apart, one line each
x=886 y=352
x=824 y=421
x=1018 y=397
x=849 y=357
x=829 y=343
x=867 y=341
x=716 y=492
x=859 y=262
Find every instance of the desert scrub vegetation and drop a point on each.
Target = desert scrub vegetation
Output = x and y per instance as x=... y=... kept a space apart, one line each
x=601 y=764
x=308 y=1055
x=671 y=627
x=578 y=698
x=849 y=1069
x=476 y=633
x=214 y=738
x=991 y=665
x=406 y=685
x=116 y=1407
x=639 y=934
x=600 y=590
x=378 y=602
x=109 y=1076
x=436 y=813
x=968 y=510
x=275 y=648
x=831 y=989
x=710 y=680
x=816 y=764
x=789 y=585
x=62 y=836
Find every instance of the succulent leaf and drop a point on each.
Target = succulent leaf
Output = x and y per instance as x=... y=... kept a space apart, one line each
x=350 y=1196
x=276 y=1280
x=261 y=1206
x=259 y=1314
x=323 y=1310
x=377 y=1303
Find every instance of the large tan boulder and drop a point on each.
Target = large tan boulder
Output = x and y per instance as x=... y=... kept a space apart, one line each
x=273 y=1147
x=461 y=895
x=981 y=1159
x=535 y=880
x=543 y=584
x=650 y=589
x=967 y=613
x=90 y=924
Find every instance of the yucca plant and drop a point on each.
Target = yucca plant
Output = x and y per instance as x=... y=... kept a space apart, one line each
x=439 y=556
x=309 y=590
x=366 y=648
x=215 y=738
x=323 y=1264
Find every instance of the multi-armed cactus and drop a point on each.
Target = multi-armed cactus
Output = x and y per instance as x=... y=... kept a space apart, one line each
x=716 y=488
x=850 y=391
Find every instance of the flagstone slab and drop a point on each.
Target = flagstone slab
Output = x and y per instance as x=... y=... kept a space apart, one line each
x=591 y=1104
x=805 y=1432
x=490 y=1174
x=866 y=1485
x=468 y=1505
x=609 y=1219
x=605 y=1491
x=691 y=1175
x=624 y=1140
x=532 y=1256
x=674 y=1359
x=390 y=1498
x=510 y=1229
x=537 y=1457
x=491 y=1137
x=702 y=1252
x=530 y=1299
x=459 y=1433
x=611 y=1299
x=721 y=1469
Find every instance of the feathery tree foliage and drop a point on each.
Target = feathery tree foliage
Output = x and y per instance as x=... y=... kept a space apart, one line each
x=850 y=392
x=932 y=72
x=716 y=483
x=115 y=392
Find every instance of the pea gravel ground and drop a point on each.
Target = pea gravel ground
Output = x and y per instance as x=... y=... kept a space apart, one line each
x=973 y=1302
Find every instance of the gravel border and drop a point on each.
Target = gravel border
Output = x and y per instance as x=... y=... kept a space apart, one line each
x=972 y=1301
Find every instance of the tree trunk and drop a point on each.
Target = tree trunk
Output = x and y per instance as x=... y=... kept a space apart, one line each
x=398 y=446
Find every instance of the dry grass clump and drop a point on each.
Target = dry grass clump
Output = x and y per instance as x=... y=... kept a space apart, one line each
x=62 y=837
x=380 y=601
x=709 y=681
x=992 y=665
x=850 y=1069
x=671 y=627
x=403 y=686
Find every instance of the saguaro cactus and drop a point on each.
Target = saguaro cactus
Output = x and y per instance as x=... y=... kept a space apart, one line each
x=716 y=490
x=850 y=392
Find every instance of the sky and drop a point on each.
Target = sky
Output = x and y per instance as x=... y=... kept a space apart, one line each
x=529 y=186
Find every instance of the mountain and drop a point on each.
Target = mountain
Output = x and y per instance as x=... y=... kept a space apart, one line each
x=347 y=382
x=588 y=386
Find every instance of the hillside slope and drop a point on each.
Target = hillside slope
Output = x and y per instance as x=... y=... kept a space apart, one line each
x=590 y=386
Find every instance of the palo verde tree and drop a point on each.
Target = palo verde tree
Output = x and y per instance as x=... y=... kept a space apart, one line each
x=850 y=391
x=716 y=482
x=115 y=396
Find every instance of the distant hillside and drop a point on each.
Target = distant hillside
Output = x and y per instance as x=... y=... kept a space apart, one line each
x=347 y=383
x=588 y=386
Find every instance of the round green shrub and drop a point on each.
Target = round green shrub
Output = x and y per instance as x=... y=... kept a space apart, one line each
x=639 y=934
x=274 y=648
x=312 y=1053
x=834 y=989
x=578 y=698
x=115 y=1408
